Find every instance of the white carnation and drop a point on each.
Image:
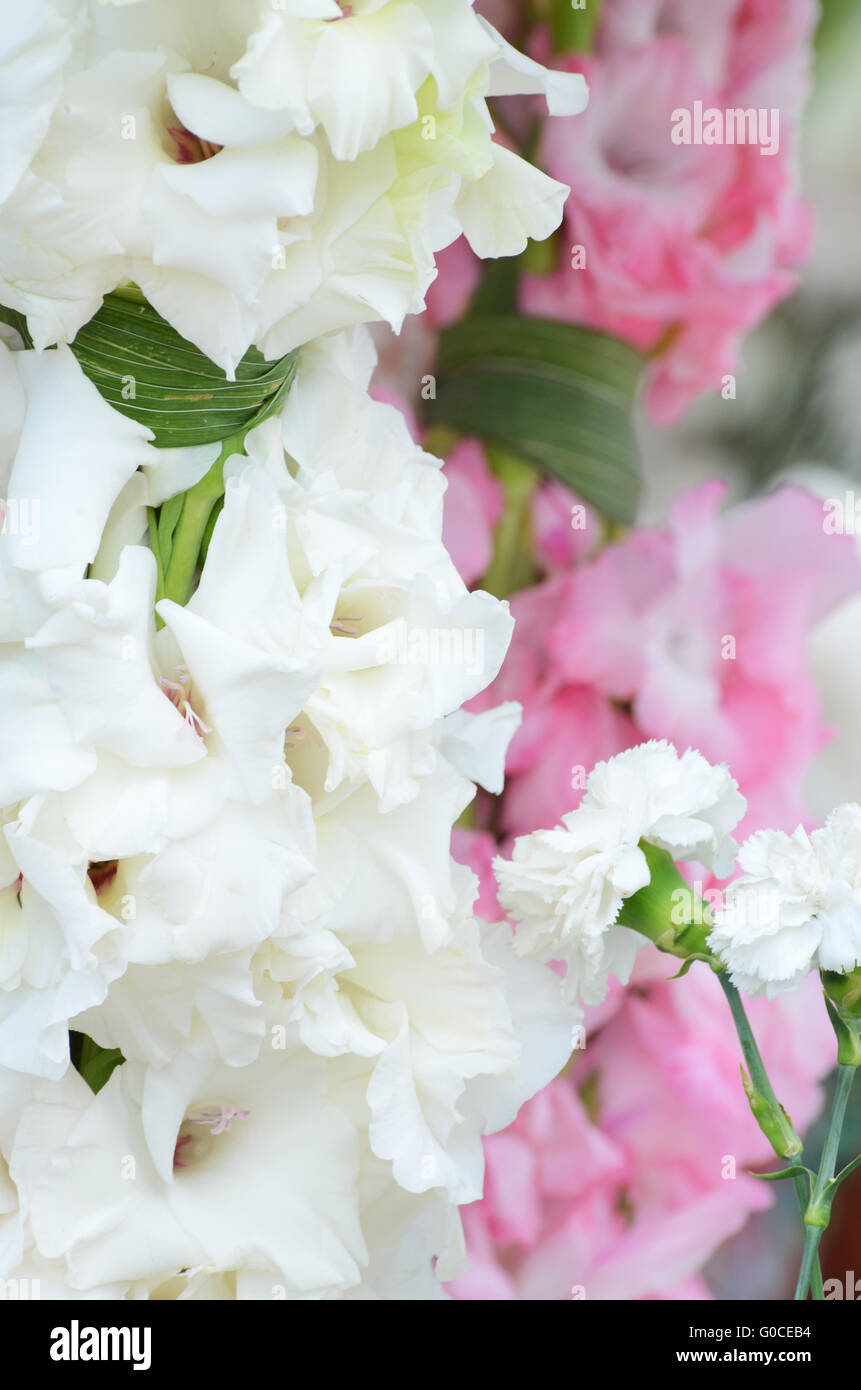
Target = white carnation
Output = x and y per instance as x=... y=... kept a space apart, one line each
x=797 y=907
x=565 y=888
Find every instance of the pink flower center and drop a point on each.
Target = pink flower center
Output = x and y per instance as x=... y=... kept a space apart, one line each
x=217 y=1119
x=190 y=148
x=102 y=874
x=179 y=694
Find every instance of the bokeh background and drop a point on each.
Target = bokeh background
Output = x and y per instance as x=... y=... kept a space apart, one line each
x=614 y=1181
x=800 y=417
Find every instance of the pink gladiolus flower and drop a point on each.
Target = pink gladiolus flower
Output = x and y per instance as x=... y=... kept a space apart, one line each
x=473 y=505
x=623 y=1177
x=679 y=248
x=696 y=632
x=564 y=530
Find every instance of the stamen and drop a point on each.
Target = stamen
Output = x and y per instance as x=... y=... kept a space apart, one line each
x=190 y=148
x=217 y=1118
x=179 y=694
x=189 y=1148
x=345 y=627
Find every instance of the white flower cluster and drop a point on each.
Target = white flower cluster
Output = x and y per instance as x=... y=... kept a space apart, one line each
x=564 y=888
x=797 y=907
x=265 y=170
x=225 y=852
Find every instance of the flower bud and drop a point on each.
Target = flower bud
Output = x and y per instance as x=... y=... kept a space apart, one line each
x=843 y=1002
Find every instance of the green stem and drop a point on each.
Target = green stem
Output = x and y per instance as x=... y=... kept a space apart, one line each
x=818 y=1212
x=769 y=1113
x=809 y=1261
x=511 y=567
x=760 y=1079
x=190 y=530
x=572 y=27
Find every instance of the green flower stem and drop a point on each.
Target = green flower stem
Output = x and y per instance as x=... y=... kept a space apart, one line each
x=190 y=530
x=511 y=567
x=818 y=1212
x=762 y=1087
x=573 y=28
x=673 y=916
x=770 y=1114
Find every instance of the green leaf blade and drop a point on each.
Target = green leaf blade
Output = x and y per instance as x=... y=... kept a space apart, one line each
x=144 y=369
x=94 y=1063
x=555 y=395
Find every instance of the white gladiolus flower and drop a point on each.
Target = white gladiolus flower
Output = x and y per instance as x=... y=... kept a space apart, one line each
x=348 y=565
x=227 y=855
x=178 y=723
x=226 y=1168
x=251 y=1034
x=565 y=887
x=381 y=958
x=797 y=907
x=65 y=457
x=56 y=956
x=264 y=173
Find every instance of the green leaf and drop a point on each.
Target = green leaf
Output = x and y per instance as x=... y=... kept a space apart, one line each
x=557 y=396
x=845 y=1172
x=147 y=371
x=18 y=322
x=497 y=288
x=94 y=1063
x=797 y=1170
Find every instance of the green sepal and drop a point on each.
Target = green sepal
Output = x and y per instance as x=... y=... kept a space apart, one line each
x=688 y=962
x=843 y=1002
x=649 y=911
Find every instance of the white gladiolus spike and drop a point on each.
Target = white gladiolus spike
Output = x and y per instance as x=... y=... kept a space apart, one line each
x=264 y=173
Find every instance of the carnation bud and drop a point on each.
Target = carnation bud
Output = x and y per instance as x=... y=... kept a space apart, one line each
x=843 y=1002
